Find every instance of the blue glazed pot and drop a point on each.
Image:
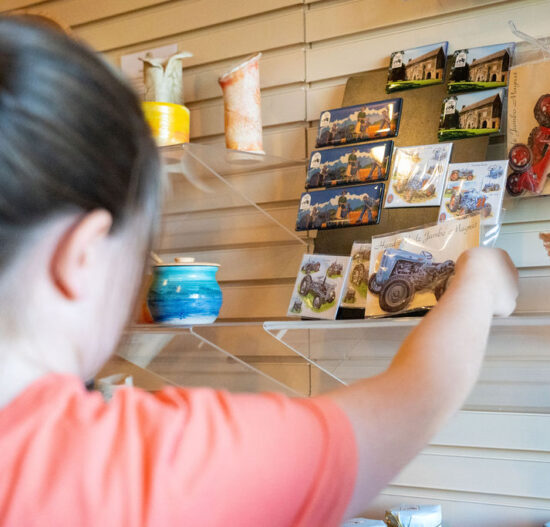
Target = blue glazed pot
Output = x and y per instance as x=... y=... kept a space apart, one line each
x=185 y=294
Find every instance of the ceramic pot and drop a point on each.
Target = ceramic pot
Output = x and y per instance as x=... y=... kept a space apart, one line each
x=185 y=293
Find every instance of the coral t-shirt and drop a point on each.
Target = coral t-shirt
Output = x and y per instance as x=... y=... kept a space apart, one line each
x=185 y=457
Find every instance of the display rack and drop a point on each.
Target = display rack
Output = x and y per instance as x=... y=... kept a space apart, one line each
x=309 y=357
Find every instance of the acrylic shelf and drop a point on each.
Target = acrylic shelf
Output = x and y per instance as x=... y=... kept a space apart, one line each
x=213 y=179
x=335 y=353
x=194 y=356
x=348 y=350
x=519 y=321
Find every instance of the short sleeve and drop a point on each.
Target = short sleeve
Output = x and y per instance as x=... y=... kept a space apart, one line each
x=213 y=459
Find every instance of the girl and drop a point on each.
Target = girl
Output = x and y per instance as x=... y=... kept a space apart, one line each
x=79 y=186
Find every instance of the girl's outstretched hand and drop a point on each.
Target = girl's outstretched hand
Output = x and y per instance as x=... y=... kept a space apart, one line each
x=492 y=271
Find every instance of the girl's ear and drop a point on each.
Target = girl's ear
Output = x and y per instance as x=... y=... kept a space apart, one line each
x=77 y=253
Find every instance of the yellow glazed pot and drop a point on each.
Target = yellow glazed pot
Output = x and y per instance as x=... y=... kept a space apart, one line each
x=169 y=122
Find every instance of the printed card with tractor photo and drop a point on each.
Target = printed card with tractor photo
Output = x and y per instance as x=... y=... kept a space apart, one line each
x=472 y=187
x=319 y=285
x=410 y=270
x=340 y=207
x=417 y=67
x=480 y=68
x=349 y=165
x=418 y=175
x=471 y=114
x=355 y=294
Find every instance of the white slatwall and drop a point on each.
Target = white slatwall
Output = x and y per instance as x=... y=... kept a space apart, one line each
x=486 y=468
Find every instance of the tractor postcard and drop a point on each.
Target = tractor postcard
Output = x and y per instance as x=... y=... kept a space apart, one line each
x=417 y=67
x=418 y=175
x=355 y=294
x=480 y=68
x=472 y=187
x=318 y=289
x=340 y=207
x=363 y=122
x=410 y=270
x=349 y=165
x=471 y=114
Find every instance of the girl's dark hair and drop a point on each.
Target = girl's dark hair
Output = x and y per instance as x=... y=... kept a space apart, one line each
x=72 y=135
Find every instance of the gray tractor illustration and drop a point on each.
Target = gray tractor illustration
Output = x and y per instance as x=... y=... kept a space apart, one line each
x=350 y=297
x=495 y=172
x=311 y=266
x=418 y=185
x=402 y=273
x=335 y=269
x=360 y=271
x=491 y=187
x=322 y=290
x=469 y=201
x=297 y=306
x=466 y=174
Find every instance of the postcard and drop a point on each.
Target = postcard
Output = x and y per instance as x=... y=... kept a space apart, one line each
x=418 y=175
x=417 y=67
x=410 y=270
x=365 y=163
x=355 y=294
x=480 y=68
x=318 y=289
x=472 y=187
x=340 y=207
x=471 y=114
x=363 y=122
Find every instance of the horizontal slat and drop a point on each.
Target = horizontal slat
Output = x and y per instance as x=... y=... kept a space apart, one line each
x=287 y=142
x=335 y=19
x=250 y=342
x=496 y=430
x=225 y=228
x=277 y=68
x=526 y=210
x=171 y=18
x=188 y=361
x=504 y=384
x=74 y=12
x=256 y=301
x=371 y=50
x=251 y=263
x=534 y=297
x=311 y=138
x=7 y=5
x=283 y=184
x=524 y=244
x=279 y=106
x=233 y=39
x=509 y=477
x=323 y=96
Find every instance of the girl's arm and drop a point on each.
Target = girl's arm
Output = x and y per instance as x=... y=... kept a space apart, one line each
x=396 y=413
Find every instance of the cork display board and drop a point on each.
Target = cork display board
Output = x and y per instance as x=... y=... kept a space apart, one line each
x=419 y=126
